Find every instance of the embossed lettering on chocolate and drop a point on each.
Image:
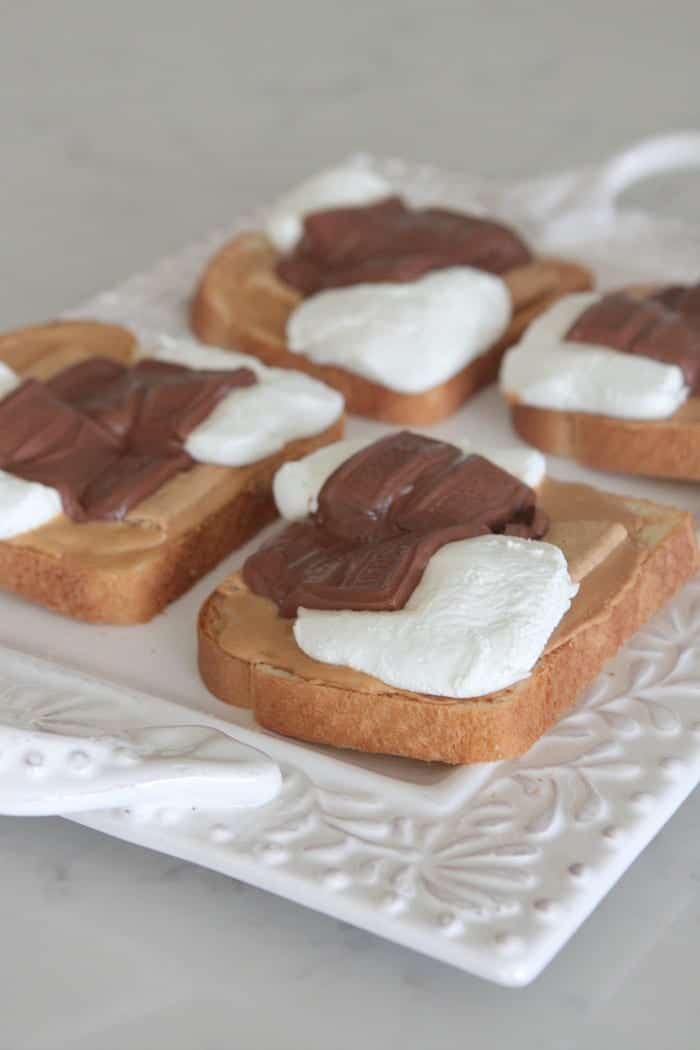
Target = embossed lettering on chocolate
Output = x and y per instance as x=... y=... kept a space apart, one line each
x=381 y=516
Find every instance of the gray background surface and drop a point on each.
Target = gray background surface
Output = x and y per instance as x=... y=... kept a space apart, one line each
x=129 y=128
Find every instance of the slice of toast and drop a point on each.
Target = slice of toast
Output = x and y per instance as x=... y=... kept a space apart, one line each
x=124 y=572
x=656 y=448
x=240 y=303
x=630 y=556
x=660 y=448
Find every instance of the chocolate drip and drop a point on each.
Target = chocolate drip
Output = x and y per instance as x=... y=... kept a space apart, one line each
x=381 y=516
x=653 y=327
x=106 y=436
x=389 y=242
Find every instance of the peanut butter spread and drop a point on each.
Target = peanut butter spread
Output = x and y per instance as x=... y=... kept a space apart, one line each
x=107 y=435
x=605 y=538
x=243 y=290
x=176 y=507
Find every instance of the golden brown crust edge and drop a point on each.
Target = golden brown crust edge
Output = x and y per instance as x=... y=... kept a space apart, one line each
x=133 y=594
x=115 y=591
x=136 y=594
x=229 y=309
x=665 y=448
x=503 y=725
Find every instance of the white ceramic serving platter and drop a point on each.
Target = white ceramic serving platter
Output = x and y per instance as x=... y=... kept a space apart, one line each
x=489 y=868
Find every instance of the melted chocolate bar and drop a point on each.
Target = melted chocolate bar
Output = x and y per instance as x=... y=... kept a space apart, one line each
x=660 y=327
x=152 y=406
x=388 y=241
x=685 y=299
x=381 y=516
x=359 y=498
x=107 y=436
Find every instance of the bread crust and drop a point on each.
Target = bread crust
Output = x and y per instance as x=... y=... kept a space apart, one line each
x=114 y=585
x=241 y=304
x=664 y=448
x=502 y=725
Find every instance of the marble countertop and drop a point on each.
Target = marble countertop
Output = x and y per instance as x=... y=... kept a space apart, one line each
x=129 y=129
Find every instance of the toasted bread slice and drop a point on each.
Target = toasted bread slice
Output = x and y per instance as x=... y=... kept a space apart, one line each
x=663 y=448
x=656 y=448
x=123 y=572
x=240 y=303
x=630 y=555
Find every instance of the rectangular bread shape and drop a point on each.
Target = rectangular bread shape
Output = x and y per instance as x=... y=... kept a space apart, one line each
x=248 y=655
x=124 y=572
